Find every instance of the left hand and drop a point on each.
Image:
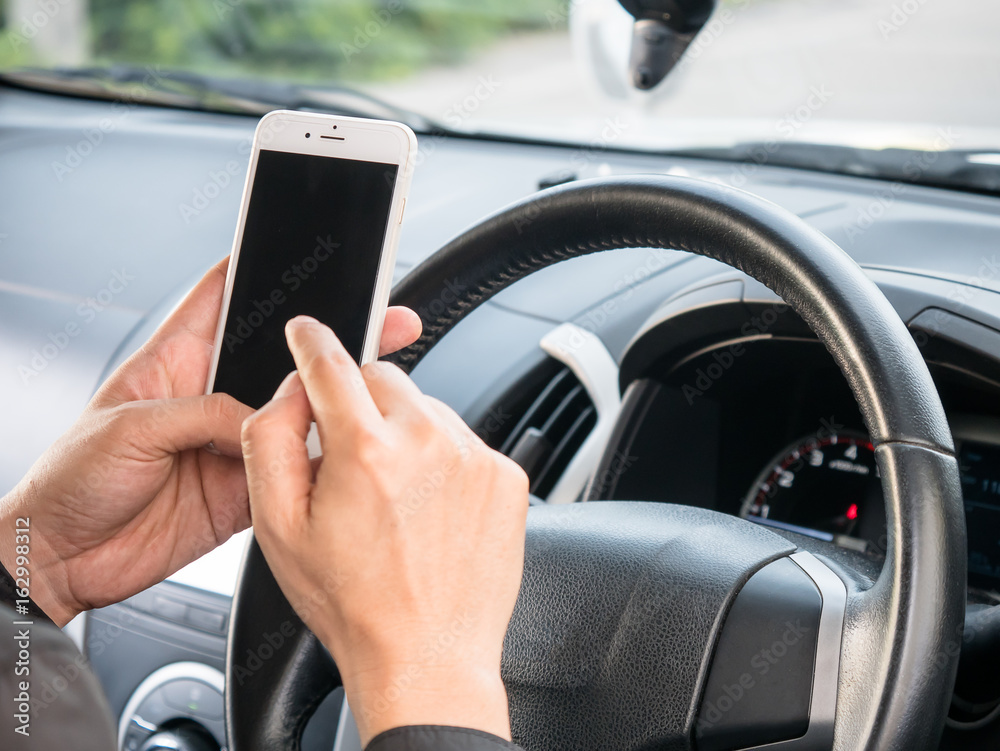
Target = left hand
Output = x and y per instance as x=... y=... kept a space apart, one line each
x=128 y=495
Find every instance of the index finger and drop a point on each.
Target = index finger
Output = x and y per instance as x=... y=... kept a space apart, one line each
x=332 y=379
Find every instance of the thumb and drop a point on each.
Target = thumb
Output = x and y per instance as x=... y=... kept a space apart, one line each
x=174 y=425
x=279 y=472
x=199 y=311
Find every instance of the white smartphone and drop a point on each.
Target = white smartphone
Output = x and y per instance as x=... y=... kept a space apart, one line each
x=317 y=234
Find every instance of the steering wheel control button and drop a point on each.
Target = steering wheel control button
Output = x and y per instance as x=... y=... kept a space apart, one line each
x=760 y=682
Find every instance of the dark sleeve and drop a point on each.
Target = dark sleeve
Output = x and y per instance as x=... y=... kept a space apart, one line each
x=17 y=599
x=438 y=738
x=50 y=698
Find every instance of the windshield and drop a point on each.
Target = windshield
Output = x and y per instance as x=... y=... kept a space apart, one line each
x=913 y=74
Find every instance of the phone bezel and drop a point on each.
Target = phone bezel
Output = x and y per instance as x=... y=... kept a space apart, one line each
x=355 y=138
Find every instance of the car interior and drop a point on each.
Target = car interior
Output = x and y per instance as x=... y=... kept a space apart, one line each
x=722 y=277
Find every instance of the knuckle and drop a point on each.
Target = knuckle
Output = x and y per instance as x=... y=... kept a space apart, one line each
x=423 y=422
x=225 y=408
x=322 y=366
x=370 y=451
x=379 y=369
x=121 y=416
x=249 y=431
x=257 y=425
x=511 y=472
x=426 y=429
x=478 y=453
x=132 y=420
x=439 y=408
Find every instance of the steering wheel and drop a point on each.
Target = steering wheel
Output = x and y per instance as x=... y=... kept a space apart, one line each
x=647 y=625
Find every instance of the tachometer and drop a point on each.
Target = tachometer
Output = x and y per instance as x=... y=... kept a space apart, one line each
x=826 y=486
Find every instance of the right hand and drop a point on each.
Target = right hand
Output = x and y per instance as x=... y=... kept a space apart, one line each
x=411 y=527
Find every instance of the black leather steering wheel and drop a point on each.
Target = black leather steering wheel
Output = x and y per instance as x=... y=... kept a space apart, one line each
x=628 y=610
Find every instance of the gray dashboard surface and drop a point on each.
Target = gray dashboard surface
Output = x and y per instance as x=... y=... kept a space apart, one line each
x=110 y=212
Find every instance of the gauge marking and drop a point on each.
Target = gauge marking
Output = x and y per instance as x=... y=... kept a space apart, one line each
x=819 y=483
x=844 y=466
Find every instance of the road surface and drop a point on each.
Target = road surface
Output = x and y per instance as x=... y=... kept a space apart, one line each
x=793 y=64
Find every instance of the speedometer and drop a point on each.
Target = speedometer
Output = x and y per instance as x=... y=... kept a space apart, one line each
x=826 y=486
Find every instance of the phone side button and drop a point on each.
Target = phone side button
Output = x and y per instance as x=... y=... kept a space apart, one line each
x=402 y=211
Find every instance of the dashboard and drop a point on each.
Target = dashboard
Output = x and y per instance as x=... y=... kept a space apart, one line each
x=639 y=374
x=827 y=485
x=776 y=438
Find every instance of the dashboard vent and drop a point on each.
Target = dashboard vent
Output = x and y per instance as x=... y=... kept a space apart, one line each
x=552 y=414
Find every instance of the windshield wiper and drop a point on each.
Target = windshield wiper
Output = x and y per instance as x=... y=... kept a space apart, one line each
x=975 y=170
x=182 y=89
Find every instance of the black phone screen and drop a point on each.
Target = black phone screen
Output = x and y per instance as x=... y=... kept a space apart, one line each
x=312 y=240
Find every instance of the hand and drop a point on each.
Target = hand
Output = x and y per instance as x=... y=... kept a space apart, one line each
x=128 y=495
x=410 y=527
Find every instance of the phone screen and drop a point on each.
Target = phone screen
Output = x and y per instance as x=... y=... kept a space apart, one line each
x=312 y=239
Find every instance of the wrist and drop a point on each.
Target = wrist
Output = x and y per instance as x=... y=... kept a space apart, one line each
x=413 y=694
x=30 y=561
